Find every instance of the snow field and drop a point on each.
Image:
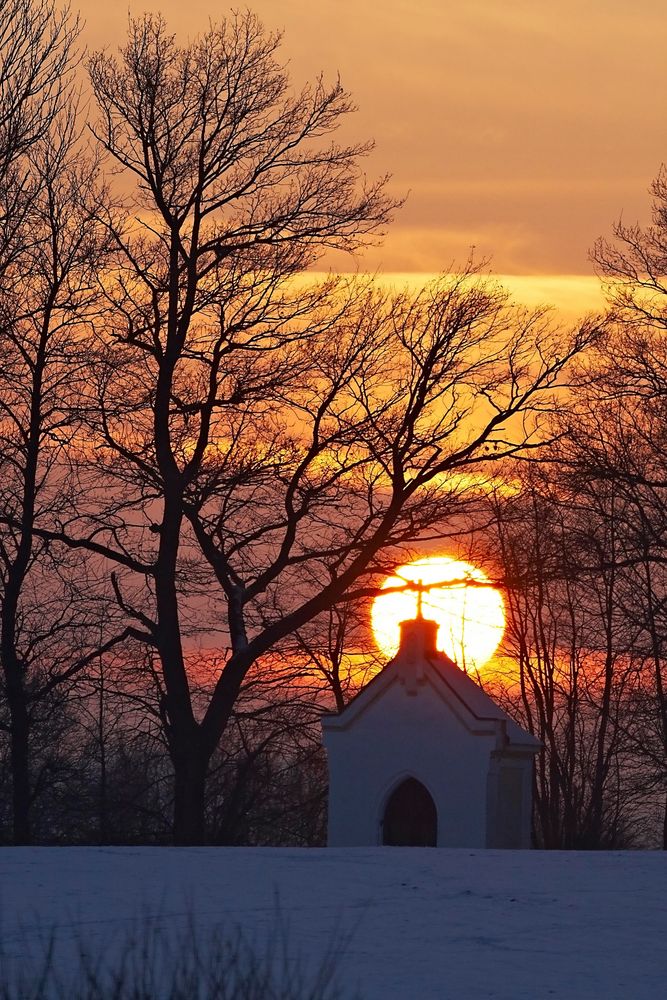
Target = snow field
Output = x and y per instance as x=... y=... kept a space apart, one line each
x=412 y=924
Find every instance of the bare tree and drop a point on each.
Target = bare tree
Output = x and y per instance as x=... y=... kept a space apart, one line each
x=336 y=652
x=626 y=439
x=617 y=435
x=48 y=602
x=571 y=647
x=266 y=444
x=37 y=62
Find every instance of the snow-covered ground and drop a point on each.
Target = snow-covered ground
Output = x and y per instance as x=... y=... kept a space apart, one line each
x=419 y=923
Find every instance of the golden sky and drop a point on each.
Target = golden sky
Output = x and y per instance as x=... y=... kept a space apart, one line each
x=522 y=127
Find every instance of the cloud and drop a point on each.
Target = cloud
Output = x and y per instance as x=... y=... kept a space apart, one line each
x=523 y=128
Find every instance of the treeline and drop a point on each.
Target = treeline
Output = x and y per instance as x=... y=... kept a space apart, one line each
x=208 y=460
x=581 y=541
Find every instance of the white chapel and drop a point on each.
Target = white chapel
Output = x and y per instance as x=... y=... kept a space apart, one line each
x=423 y=757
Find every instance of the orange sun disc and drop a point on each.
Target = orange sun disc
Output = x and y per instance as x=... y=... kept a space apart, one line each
x=460 y=597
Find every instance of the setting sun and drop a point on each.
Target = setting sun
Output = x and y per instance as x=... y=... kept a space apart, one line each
x=460 y=597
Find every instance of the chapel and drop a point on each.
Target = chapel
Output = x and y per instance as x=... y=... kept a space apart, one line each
x=422 y=756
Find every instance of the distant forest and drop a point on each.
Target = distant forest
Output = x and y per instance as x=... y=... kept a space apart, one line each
x=213 y=449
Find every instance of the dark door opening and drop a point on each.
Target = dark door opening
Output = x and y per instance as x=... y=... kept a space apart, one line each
x=410 y=817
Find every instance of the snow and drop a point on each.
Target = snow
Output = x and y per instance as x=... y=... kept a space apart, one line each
x=419 y=923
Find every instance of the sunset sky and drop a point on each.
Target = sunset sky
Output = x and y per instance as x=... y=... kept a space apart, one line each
x=522 y=128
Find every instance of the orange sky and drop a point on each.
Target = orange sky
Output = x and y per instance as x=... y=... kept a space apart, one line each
x=524 y=127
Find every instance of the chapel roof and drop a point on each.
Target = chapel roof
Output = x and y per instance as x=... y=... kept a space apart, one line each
x=417 y=662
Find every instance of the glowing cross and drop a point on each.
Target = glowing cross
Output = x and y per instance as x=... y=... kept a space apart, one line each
x=420 y=595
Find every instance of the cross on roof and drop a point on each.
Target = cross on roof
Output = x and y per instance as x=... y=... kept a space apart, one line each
x=420 y=597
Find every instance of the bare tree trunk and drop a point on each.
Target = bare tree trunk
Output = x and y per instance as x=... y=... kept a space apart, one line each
x=20 y=752
x=190 y=773
x=183 y=731
x=602 y=757
x=102 y=817
x=12 y=667
x=656 y=652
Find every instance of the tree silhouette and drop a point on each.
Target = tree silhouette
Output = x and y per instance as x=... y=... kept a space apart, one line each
x=261 y=443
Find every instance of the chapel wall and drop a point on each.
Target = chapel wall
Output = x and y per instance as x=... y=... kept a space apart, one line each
x=406 y=735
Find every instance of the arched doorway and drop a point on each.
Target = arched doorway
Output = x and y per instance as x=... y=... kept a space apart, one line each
x=410 y=817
